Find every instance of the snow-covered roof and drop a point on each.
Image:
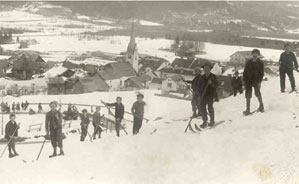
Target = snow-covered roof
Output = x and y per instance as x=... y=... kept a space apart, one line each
x=55 y=71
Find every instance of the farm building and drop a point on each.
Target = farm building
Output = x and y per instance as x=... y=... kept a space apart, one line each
x=56 y=86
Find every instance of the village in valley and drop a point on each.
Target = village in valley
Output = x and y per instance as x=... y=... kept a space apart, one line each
x=86 y=56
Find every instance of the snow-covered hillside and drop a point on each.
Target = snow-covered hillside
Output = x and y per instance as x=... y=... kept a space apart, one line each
x=254 y=149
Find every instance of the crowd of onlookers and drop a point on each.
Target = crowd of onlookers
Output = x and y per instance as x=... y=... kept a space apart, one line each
x=14 y=107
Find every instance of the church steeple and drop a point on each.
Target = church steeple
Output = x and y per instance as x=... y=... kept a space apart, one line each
x=132 y=51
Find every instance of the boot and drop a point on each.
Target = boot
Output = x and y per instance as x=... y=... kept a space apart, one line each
x=54 y=153
x=261 y=108
x=61 y=152
x=194 y=115
x=14 y=150
x=282 y=91
x=212 y=123
x=204 y=125
x=247 y=111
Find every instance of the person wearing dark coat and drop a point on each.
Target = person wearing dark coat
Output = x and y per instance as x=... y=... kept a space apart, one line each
x=53 y=126
x=195 y=97
x=40 y=108
x=13 y=107
x=237 y=85
x=18 y=108
x=11 y=132
x=138 y=113
x=84 y=124
x=287 y=63
x=253 y=76
x=207 y=89
x=96 y=121
x=119 y=113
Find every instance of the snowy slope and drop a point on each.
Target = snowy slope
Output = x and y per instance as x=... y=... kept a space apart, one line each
x=255 y=149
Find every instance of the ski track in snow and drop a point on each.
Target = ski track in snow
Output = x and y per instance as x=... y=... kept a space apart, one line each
x=254 y=149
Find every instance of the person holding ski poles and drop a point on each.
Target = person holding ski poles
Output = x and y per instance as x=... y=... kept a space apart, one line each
x=253 y=76
x=138 y=112
x=84 y=124
x=11 y=131
x=287 y=62
x=195 y=96
x=207 y=93
x=96 y=121
x=119 y=113
x=53 y=125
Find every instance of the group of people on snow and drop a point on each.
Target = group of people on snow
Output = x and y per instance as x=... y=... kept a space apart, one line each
x=15 y=107
x=204 y=86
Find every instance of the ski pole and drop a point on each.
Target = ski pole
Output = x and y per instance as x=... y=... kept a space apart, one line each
x=40 y=151
x=188 y=124
x=9 y=140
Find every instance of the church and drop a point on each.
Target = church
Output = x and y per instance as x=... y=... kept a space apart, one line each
x=132 y=51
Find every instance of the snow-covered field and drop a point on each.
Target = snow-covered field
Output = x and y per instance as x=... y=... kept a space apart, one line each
x=261 y=148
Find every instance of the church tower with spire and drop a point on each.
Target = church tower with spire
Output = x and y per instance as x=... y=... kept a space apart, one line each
x=132 y=51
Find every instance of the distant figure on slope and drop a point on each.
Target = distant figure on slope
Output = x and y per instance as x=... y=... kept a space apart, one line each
x=195 y=97
x=13 y=107
x=138 y=113
x=208 y=85
x=40 y=108
x=96 y=121
x=11 y=131
x=237 y=84
x=253 y=76
x=22 y=106
x=118 y=114
x=287 y=62
x=54 y=128
x=84 y=124
x=18 y=108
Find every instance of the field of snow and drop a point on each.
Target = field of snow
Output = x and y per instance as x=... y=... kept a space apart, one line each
x=261 y=148
x=149 y=23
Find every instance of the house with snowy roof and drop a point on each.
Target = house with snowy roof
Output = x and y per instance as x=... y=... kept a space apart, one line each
x=88 y=85
x=241 y=57
x=156 y=83
x=140 y=82
x=115 y=74
x=174 y=83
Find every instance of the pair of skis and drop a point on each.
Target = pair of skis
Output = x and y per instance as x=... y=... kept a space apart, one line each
x=197 y=128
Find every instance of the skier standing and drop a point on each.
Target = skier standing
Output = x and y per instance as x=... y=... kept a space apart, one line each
x=84 y=124
x=11 y=131
x=253 y=75
x=18 y=108
x=237 y=84
x=96 y=121
x=54 y=128
x=207 y=93
x=138 y=112
x=287 y=62
x=119 y=113
x=195 y=97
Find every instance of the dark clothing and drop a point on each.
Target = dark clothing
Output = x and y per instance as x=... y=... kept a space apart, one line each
x=195 y=97
x=257 y=91
x=137 y=125
x=195 y=83
x=203 y=105
x=138 y=109
x=53 y=124
x=96 y=121
x=117 y=126
x=205 y=90
x=119 y=109
x=10 y=129
x=287 y=62
x=253 y=72
x=84 y=126
x=237 y=85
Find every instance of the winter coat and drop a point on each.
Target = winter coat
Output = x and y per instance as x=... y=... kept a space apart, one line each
x=84 y=120
x=211 y=90
x=138 y=109
x=236 y=82
x=195 y=83
x=10 y=128
x=96 y=119
x=53 y=120
x=119 y=110
x=287 y=61
x=253 y=72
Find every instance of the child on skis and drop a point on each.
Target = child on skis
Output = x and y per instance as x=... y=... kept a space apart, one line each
x=84 y=124
x=96 y=121
x=119 y=113
x=11 y=131
x=138 y=112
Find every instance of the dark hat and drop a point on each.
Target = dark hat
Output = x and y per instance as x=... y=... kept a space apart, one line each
x=207 y=64
x=12 y=115
x=84 y=110
x=256 y=51
x=287 y=45
x=54 y=102
x=140 y=95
